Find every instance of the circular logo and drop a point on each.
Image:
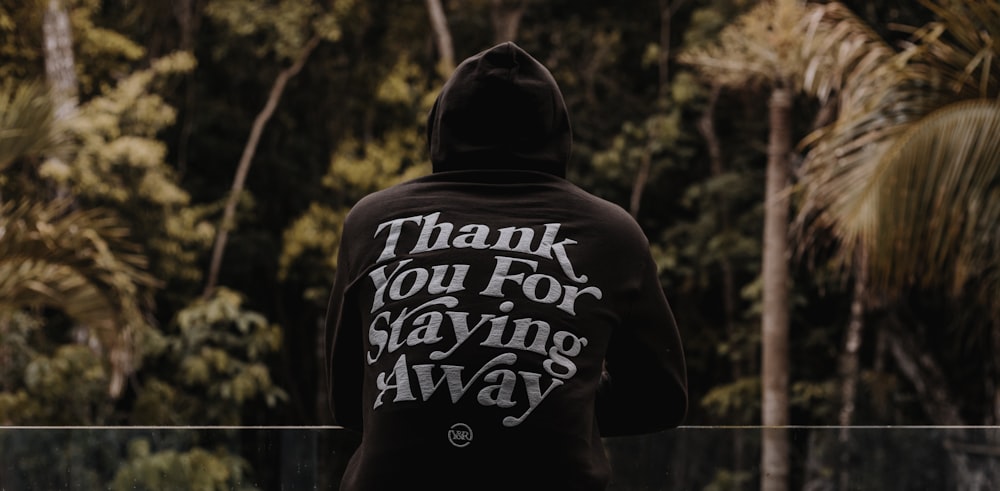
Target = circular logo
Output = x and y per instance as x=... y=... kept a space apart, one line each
x=460 y=435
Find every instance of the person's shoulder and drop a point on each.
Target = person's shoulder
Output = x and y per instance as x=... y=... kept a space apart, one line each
x=604 y=211
x=378 y=202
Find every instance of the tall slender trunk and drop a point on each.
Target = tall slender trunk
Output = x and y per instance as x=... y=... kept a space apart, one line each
x=60 y=70
x=850 y=364
x=774 y=338
x=442 y=37
x=994 y=377
x=706 y=127
x=663 y=60
x=641 y=178
x=188 y=15
x=229 y=214
x=323 y=413
x=506 y=16
x=667 y=9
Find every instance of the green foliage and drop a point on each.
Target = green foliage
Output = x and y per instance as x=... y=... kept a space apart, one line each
x=101 y=53
x=317 y=230
x=121 y=164
x=219 y=351
x=68 y=388
x=819 y=400
x=936 y=207
x=640 y=141
x=110 y=52
x=196 y=469
x=708 y=20
x=27 y=127
x=280 y=28
x=311 y=241
x=725 y=480
x=761 y=47
x=357 y=168
x=83 y=264
x=118 y=150
x=736 y=401
x=904 y=171
x=20 y=40
x=691 y=251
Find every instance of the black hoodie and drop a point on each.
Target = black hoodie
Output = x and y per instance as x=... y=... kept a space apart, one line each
x=492 y=321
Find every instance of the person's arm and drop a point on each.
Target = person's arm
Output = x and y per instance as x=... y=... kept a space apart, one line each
x=644 y=388
x=344 y=360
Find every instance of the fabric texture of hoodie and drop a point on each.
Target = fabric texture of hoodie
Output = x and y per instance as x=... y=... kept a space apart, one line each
x=491 y=322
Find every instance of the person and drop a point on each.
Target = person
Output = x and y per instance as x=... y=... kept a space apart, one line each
x=491 y=322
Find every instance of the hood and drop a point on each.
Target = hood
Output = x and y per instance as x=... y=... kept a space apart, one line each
x=501 y=109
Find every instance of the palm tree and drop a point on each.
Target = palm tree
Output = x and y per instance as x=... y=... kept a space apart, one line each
x=52 y=255
x=908 y=172
x=842 y=53
x=761 y=48
x=905 y=179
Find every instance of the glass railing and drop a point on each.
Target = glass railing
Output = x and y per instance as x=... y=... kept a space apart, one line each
x=308 y=458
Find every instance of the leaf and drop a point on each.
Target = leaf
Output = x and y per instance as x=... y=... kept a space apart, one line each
x=935 y=202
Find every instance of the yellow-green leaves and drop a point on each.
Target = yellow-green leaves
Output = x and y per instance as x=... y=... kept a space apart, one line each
x=195 y=469
x=27 y=128
x=285 y=27
x=220 y=350
x=935 y=207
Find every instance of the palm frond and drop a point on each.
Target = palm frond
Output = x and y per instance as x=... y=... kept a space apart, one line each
x=963 y=46
x=758 y=48
x=935 y=201
x=27 y=125
x=840 y=52
x=880 y=103
x=79 y=262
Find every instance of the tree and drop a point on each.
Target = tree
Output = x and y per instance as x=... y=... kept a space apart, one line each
x=760 y=48
x=301 y=33
x=904 y=180
x=59 y=67
x=170 y=469
x=78 y=261
x=442 y=37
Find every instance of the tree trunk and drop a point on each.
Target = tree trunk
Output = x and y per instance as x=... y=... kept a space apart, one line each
x=850 y=365
x=244 y=166
x=188 y=15
x=323 y=413
x=663 y=60
x=994 y=383
x=965 y=446
x=706 y=127
x=774 y=337
x=639 y=184
x=667 y=10
x=442 y=37
x=645 y=165
x=506 y=16
x=926 y=376
x=60 y=70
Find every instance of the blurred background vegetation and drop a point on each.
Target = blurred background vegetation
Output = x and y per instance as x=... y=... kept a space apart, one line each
x=820 y=183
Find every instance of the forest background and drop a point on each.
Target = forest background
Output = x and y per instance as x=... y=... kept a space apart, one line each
x=818 y=182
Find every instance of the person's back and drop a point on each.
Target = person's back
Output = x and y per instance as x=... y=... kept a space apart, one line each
x=475 y=308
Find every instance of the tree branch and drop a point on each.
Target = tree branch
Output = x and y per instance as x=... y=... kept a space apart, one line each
x=248 y=153
x=442 y=37
x=927 y=378
x=506 y=16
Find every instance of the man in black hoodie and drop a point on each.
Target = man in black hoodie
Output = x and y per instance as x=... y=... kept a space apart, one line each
x=492 y=321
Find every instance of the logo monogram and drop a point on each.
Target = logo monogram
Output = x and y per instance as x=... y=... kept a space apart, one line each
x=460 y=435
